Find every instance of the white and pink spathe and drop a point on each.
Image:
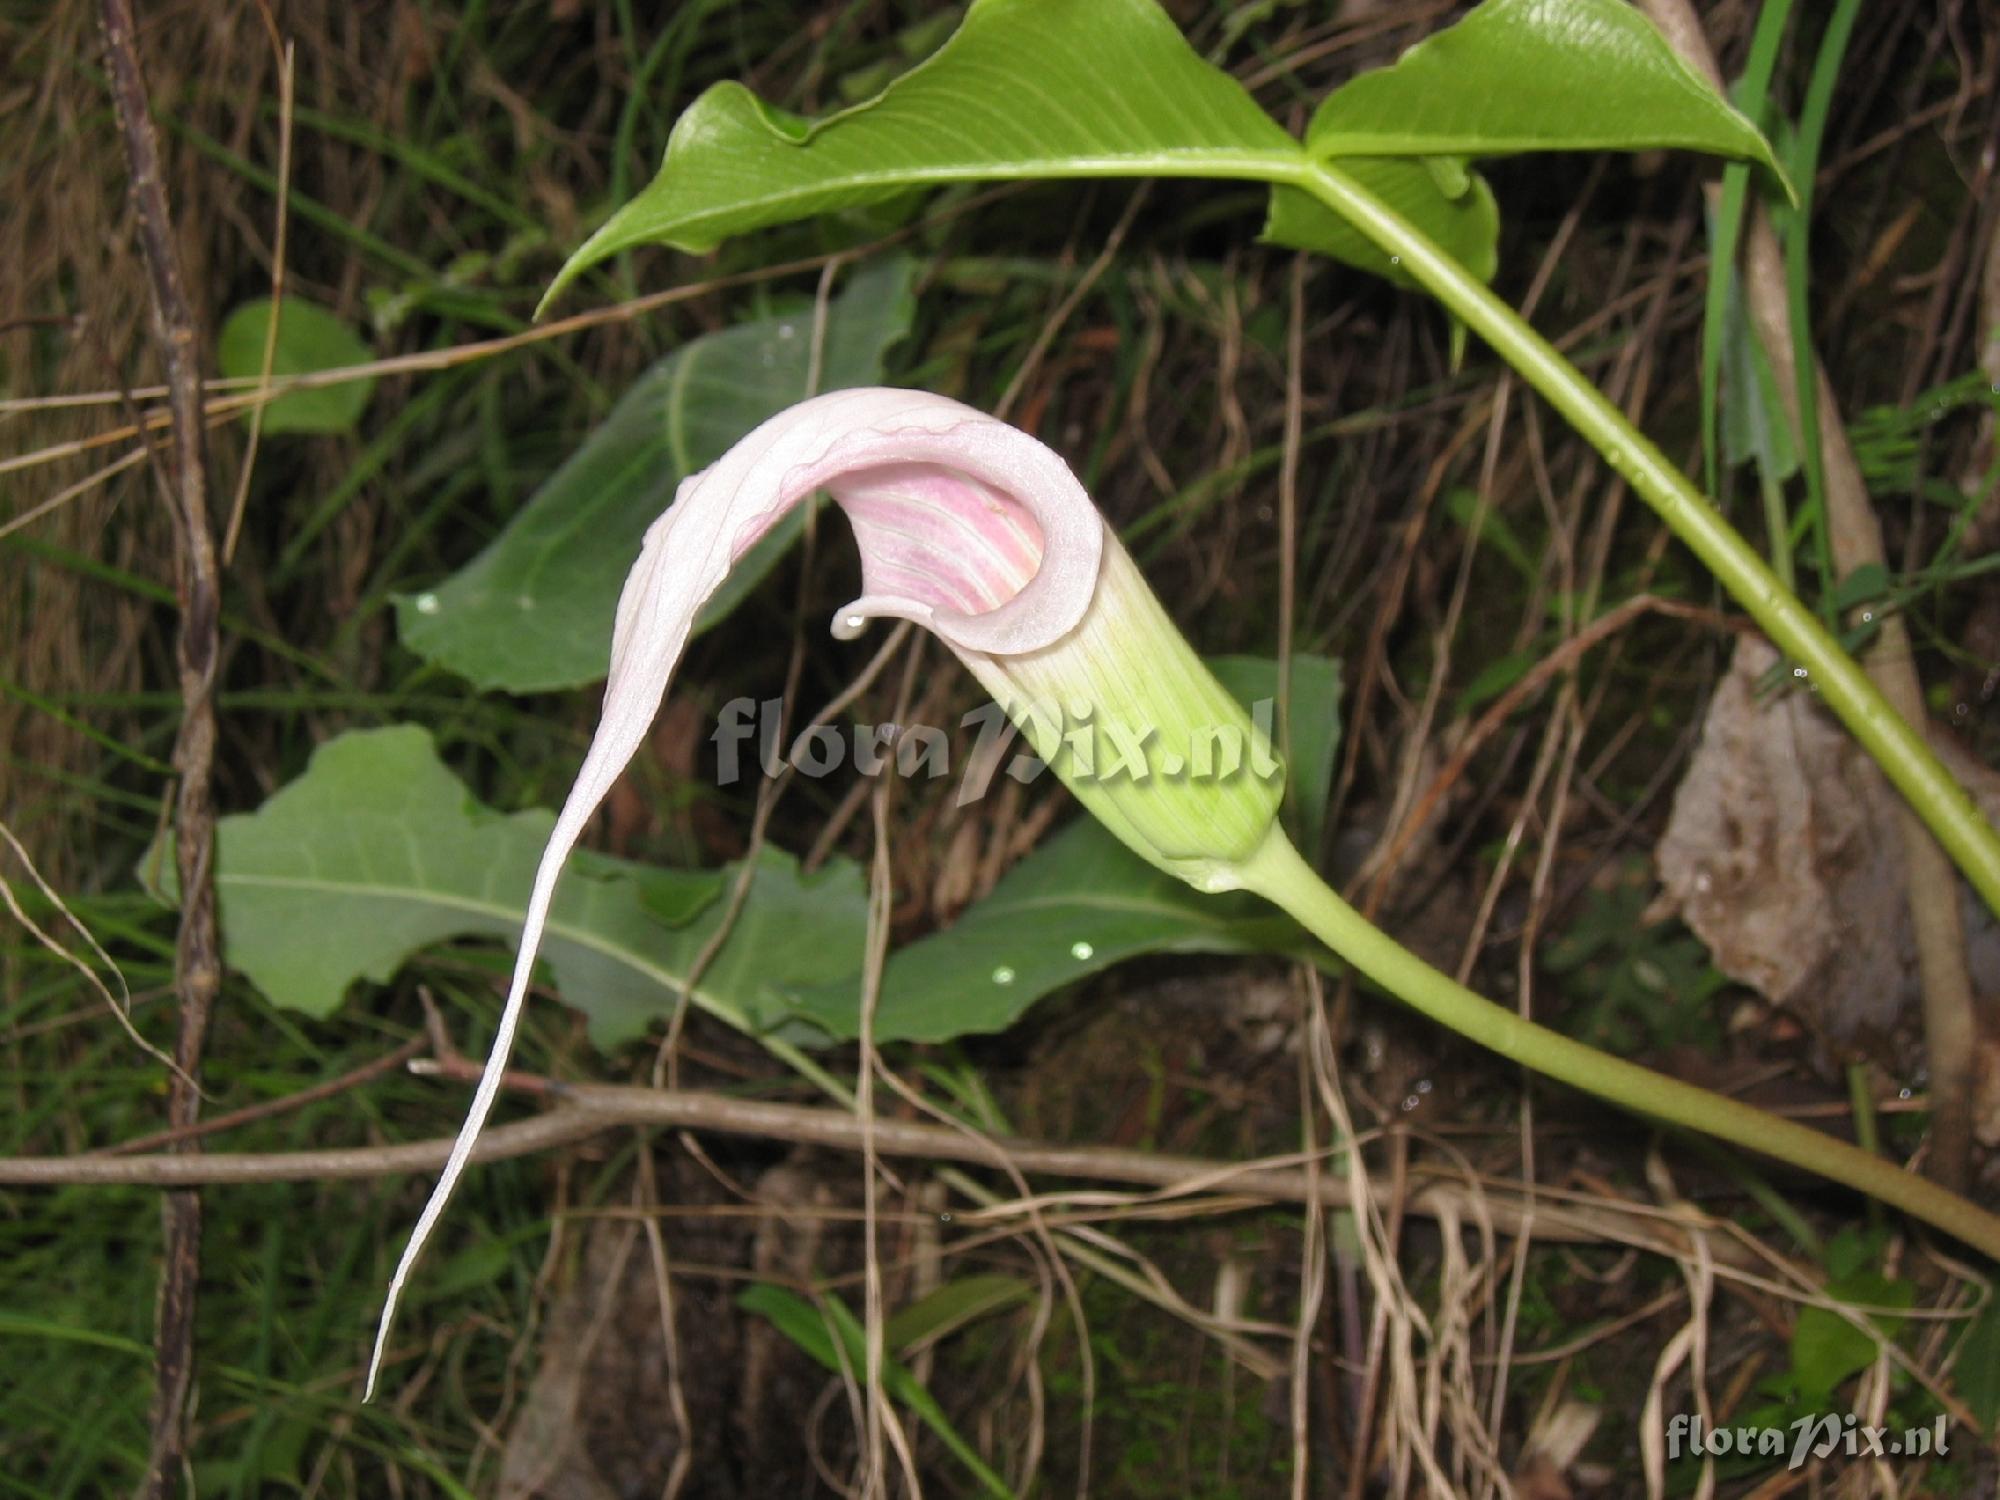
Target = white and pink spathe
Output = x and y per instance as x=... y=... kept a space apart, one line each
x=966 y=525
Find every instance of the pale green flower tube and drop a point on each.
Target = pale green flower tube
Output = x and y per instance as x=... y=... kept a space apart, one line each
x=1138 y=728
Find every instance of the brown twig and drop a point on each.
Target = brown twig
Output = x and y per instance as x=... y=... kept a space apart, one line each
x=388 y=1062
x=584 y=1110
x=179 y=1170
x=197 y=962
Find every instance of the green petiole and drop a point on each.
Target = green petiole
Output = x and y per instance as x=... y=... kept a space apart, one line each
x=1278 y=873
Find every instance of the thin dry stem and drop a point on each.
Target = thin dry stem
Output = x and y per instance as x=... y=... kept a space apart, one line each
x=197 y=955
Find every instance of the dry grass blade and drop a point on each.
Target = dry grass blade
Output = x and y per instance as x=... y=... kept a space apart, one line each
x=120 y=1004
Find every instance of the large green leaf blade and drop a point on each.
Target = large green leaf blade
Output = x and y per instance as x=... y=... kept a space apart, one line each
x=1535 y=75
x=378 y=852
x=533 y=611
x=1024 y=89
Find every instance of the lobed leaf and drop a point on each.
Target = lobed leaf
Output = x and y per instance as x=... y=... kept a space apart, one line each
x=1035 y=89
x=379 y=852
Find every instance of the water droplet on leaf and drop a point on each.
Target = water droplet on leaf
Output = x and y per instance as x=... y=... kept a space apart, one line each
x=1081 y=952
x=427 y=604
x=1003 y=975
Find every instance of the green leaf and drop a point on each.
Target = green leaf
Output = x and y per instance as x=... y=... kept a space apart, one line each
x=1493 y=679
x=1025 y=89
x=1754 y=425
x=310 y=339
x=1466 y=226
x=1077 y=905
x=1083 y=902
x=1535 y=75
x=1312 y=740
x=815 y=1329
x=476 y=1267
x=962 y=1300
x=378 y=852
x=1725 y=224
x=1493 y=528
x=1827 y=1348
x=533 y=611
x=1865 y=585
x=1976 y=1371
